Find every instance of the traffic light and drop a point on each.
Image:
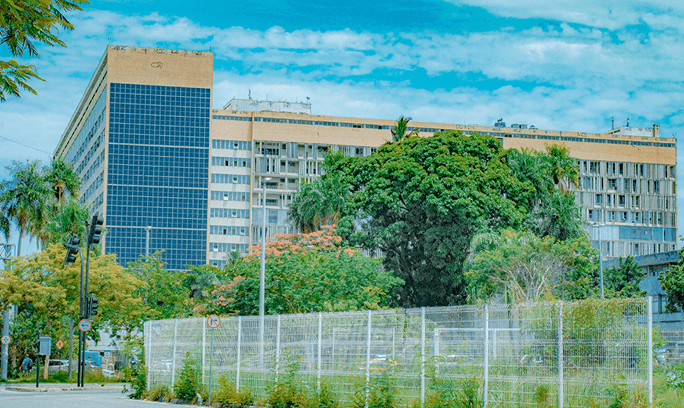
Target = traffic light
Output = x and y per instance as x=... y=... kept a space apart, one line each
x=95 y=230
x=72 y=250
x=92 y=306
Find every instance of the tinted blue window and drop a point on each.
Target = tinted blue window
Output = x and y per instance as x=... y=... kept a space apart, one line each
x=158 y=172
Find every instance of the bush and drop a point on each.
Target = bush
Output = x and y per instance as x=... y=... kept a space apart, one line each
x=188 y=384
x=624 y=398
x=449 y=394
x=139 y=382
x=228 y=396
x=382 y=392
x=157 y=393
x=287 y=392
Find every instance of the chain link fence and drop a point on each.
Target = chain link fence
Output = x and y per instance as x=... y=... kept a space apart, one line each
x=559 y=354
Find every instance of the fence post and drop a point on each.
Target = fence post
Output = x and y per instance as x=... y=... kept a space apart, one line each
x=320 y=343
x=237 y=370
x=332 y=357
x=560 y=354
x=486 y=355
x=173 y=359
x=148 y=353
x=368 y=352
x=277 y=367
x=422 y=357
x=649 y=354
x=204 y=347
x=393 y=353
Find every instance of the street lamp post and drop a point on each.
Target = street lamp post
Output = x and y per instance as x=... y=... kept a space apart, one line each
x=598 y=228
x=262 y=277
x=147 y=240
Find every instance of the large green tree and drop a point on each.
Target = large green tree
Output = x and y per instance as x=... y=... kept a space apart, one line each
x=623 y=281
x=421 y=200
x=23 y=23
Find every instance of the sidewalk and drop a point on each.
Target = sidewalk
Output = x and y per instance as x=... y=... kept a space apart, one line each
x=53 y=387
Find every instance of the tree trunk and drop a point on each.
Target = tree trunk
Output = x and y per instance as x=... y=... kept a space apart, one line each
x=21 y=238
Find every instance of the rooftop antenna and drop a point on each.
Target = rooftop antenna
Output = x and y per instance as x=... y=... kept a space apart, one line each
x=250 y=94
x=612 y=123
x=307 y=99
x=628 y=121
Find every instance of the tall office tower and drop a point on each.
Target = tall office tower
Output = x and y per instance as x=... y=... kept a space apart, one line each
x=152 y=152
x=140 y=141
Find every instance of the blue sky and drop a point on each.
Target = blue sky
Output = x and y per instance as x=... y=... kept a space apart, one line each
x=568 y=65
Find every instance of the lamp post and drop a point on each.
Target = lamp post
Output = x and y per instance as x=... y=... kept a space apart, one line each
x=262 y=277
x=147 y=240
x=598 y=228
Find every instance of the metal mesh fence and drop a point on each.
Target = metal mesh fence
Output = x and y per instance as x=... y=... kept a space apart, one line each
x=558 y=354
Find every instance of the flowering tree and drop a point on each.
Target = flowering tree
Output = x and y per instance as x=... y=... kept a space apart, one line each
x=305 y=273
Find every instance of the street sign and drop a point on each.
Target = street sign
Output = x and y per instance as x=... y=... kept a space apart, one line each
x=107 y=354
x=213 y=321
x=60 y=344
x=6 y=339
x=45 y=345
x=84 y=325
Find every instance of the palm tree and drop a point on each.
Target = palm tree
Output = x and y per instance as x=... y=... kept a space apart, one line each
x=63 y=180
x=318 y=203
x=400 y=129
x=24 y=197
x=563 y=167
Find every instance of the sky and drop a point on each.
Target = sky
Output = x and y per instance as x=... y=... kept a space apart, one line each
x=570 y=65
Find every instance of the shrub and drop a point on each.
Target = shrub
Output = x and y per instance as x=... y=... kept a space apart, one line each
x=157 y=393
x=624 y=398
x=287 y=392
x=382 y=392
x=188 y=383
x=449 y=394
x=138 y=382
x=228 y=396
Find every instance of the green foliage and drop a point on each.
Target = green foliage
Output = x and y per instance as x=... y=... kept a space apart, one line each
x=399 y=130
x=189 y=380
x=138 y=382
x=541 y=397
x=465 y=393
x=623 y=282
x=326 y=398
x=229 y=396
x=21 y=23
x=626 y=398
x=524 y=267
x=673 y=284
x=287 y=391
x=382 y=391
x=421 y=200
x=305 y=273
x=162 y=291
x=158 y=393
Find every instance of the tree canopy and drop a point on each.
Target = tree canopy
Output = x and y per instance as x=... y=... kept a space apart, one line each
x=673 y=284
x=421 y=200
x=305 y=273
x=22 y=23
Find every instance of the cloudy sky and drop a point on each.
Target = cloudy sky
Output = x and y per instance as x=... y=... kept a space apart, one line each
x=570 y=65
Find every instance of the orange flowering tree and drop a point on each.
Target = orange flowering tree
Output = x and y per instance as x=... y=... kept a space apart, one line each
x=305 y=273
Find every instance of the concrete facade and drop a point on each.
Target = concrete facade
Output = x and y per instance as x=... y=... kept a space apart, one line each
x=627 y=187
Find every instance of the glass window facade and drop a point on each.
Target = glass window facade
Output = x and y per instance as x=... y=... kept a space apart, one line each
x=158 y=172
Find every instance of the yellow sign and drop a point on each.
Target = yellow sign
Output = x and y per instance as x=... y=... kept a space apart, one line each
x=60 y=344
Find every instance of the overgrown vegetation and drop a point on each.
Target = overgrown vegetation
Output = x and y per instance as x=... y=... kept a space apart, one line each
x=229 y=396
x=189 y=382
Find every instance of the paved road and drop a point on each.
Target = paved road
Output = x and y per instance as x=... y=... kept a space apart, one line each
x=71 y=399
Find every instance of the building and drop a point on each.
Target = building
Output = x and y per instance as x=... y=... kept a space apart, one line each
x=153 y=152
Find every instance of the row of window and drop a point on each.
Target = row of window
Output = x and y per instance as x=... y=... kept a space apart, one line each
x=230 y=178
x=92 y=123
x=161 y=218
x=175 y=91
x=229 y=161
x=228 y=213
x=94 y=168
x=92 y=188
x=227 y=230
x=645 y=217
x=91 y=152
x=231 y=144
x=627 y=169
x=623 y=185
x=229 y=196
x=581 y=139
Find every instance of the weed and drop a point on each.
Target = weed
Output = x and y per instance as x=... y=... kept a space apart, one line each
x=188 y=384
x=228 y=396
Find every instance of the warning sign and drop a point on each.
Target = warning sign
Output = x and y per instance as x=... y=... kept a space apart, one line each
x=213 y=321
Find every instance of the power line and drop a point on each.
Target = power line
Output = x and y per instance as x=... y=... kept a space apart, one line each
x=30 y=147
